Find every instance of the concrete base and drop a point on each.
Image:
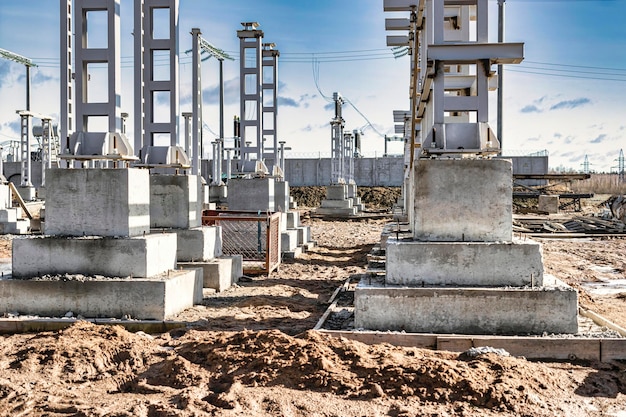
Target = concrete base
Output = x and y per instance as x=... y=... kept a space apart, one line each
x=337 y=192
x=341 y=204
x=18 y=227
x=281 y=196
x=218 y=194
x=28 y=193
x=144 y=256
x=217 y=273
x=462 y=200
x=154 y=298
x=289 y=240
x=251 y=194
x=304 y=235
x=198 y=244
x=98 y=202
x=548 y=203
x=8 y=215
x=336 y=212
x=175 y=201
x=502 y=310
x=462 y=264
x=237 y=267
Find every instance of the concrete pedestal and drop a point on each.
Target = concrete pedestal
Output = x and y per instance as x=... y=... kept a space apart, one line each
x=28 y=193
x=156 y=298
x=98 y=202
x=281 y=196
x=480 y=264
x=217 y=194
x=216 y=273
x=251 y=194
x=548 y=203
x=339 y=201
x=198 y=244
x=463 y=200
x=467 y=310
x=175 y=201
x=141 y=256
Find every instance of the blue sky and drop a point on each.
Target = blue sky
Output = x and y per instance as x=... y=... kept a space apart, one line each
x=567 y=96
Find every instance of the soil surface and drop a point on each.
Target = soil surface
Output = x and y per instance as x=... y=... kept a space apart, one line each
x=251 y=352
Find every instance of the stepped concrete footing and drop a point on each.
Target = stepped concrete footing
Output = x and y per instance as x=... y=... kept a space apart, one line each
x=141 y=256
x=217 y=273
x=198 y=244
x=175 y=201
x=517 y=263
x=467 y=310
x=156 y=298
x=341 y=201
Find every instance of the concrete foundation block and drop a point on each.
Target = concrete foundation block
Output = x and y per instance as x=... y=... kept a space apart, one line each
x=98 y=202
x=293 y=219
x=463 y=200
x=340 y=204
x=175 y=201
x=548 y=203
x=352 y=191
x=503 y=310
x=217 y=193
x=336 y=212
x=237 y=267
x=141 y=257
x=198 y=244
x=251 y=194
x=415 y=263
x=304 y=234
x=156 y=298
x=281 y=196
x=8 y=215
x=217 y=273
x=28 y=193
x=337 y=192
x=289 y=240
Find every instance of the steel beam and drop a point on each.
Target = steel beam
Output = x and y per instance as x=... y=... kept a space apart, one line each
x=470 y=53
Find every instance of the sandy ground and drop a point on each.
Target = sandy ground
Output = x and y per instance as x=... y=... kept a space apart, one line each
x=251 y=353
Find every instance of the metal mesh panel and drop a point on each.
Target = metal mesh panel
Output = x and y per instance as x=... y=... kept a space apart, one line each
x=255 y=237
x=247 y=238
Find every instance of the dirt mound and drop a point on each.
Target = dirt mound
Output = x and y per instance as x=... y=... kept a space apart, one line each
x=308 y=196
x=354 y=370
x=90 y=370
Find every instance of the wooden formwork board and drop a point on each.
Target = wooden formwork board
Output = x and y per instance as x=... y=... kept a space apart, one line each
x=542 y=348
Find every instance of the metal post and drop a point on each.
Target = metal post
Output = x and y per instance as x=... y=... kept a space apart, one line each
x=221 y=99
x=196 y=92
x=187 y=117
x=228 y=165
x=215 y=177
x=282 y=155
x=500 y=71
x=385 y=146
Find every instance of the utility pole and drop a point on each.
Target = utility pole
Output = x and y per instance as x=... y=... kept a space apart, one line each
x=24 y=61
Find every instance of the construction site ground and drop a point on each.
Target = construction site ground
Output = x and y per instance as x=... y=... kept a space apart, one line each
x=250 y=351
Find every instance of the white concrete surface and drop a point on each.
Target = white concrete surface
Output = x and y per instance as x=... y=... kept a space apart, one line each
x=143 y=256
x=289 y=240
x=98 y=202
